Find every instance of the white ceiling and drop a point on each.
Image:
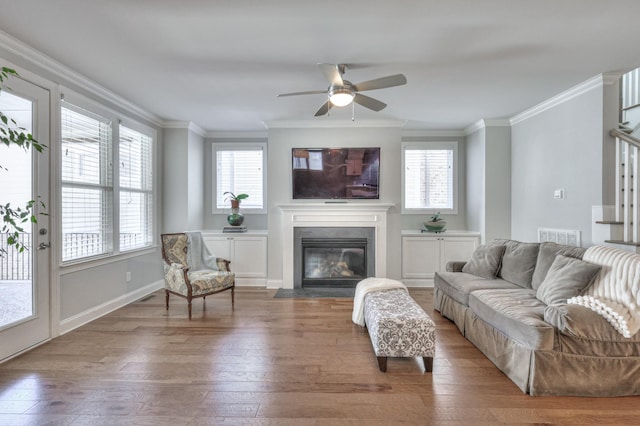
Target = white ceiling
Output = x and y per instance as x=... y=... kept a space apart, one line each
x=220 y=64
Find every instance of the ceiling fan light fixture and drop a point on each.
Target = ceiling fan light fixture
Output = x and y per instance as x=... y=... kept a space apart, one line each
x=341 y=97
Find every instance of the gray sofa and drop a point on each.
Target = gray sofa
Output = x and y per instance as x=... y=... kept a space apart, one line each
x=536 y=311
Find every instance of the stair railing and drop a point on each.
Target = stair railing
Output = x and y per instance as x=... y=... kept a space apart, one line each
x=627 y=185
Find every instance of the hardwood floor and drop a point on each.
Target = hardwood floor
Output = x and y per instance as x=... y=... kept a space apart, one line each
x=267 y=362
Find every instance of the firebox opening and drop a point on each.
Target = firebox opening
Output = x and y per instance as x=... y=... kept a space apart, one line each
x=333 y=257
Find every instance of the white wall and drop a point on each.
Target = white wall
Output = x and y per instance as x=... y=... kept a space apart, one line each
x=563 y=147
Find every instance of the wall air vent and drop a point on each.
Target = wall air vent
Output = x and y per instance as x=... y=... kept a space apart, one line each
x=570 y=237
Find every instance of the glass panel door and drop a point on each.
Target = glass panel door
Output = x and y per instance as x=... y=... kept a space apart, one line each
x=24 y=270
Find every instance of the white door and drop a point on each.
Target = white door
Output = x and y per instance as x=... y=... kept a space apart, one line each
x=24 y=277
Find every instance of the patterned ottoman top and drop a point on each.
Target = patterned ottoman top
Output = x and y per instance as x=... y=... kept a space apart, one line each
x=395 y=304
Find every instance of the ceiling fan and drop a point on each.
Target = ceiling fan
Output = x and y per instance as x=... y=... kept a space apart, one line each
x=342 y=92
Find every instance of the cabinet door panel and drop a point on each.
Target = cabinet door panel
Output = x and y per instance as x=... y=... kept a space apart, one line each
x=420 y=257
x=250 y=257
x=219 y=246
x=457 y=249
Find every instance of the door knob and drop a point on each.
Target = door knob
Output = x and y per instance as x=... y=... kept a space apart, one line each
x=43 y=246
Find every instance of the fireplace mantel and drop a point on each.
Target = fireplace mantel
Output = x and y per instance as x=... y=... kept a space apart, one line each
x=334 y=214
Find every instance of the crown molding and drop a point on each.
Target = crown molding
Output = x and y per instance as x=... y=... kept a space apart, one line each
x=443 y=133
x=188 y=125
x=304 y=124
x=605 y=79
x=484 y=123
x=253 y=136
x=68 y=76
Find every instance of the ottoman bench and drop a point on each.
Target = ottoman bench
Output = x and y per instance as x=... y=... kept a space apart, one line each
x=399 y=327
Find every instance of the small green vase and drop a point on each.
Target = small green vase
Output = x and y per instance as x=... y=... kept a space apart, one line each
x=235 y=218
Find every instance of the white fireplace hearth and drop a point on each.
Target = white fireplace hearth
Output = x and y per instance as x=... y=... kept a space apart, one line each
x=355 y=215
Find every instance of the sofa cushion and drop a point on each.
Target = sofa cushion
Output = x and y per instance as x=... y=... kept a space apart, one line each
x=518 y=262
x=516 y=313
x=485 y=261
x=459 y=285
x=567 y=277
x=546 y=255
x=582 y=331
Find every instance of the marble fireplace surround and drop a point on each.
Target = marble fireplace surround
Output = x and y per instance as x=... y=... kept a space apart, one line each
x=333 y=215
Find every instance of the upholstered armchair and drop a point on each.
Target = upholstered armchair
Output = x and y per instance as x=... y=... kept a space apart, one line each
x=190 y=271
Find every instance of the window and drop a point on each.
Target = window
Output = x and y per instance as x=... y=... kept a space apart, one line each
x=103 y=214
x=86 y=183
x=136 y=189
x=239 y=169
x=430 y=177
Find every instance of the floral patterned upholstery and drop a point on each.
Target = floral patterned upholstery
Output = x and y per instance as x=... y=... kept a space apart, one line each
x=175 y=248
x=179 y=280
x=398 y=326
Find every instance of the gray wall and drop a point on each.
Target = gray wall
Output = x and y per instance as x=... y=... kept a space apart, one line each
x=282 y=140
x=195 y=184
x=475 y=167
x=175 y=180
x=489 y=182
x=565 y=147
x=218 y=221
x=497 y=214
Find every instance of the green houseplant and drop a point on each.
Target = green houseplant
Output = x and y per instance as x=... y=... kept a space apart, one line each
x=15 y=218
x=435 y=223
x=235 y=199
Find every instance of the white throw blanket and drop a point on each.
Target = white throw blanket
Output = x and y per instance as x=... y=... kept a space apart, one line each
x=615 y=292
x=198 y=255
x=366 y=286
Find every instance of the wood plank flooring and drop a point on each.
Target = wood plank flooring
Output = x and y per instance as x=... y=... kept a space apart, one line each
x=267 y=362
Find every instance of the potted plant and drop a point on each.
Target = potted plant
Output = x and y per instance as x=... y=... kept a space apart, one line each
x=435 y=223
x=235 y=199
x=235 y=218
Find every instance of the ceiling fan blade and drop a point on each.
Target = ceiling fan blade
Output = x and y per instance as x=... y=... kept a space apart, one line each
x=381 y=83
x=311 y=92
x=332 y=73
x=324 y=109
x=368 y=102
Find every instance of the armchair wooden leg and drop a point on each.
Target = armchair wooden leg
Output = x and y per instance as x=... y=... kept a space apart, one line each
x=167 y=297
x=233 y=294
x=189 y=307
x=382 y=363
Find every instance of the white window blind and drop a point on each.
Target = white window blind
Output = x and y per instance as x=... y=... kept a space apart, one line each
x=136 y=189
x=240 y=170
x=86 y=184
x=429 y=180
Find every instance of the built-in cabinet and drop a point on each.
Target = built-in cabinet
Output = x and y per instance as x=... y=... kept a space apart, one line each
x=424 y=254
x=247 y=253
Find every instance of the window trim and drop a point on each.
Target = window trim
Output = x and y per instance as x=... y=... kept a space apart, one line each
x=238 y=146
x=117 y=119
x=431 y=145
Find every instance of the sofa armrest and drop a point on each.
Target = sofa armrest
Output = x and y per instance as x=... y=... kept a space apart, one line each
x=455 y=266
x=581 y=322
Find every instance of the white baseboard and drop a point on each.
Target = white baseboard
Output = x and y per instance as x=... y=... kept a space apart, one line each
x=96 y=312
x=251 y=282
x=274 y=283
x=425 y=283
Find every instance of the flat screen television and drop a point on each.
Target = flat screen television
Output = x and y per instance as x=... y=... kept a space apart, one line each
x=335 y=173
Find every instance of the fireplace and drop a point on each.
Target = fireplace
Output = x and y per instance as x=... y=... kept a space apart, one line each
x=342 y=218
x=333 y=256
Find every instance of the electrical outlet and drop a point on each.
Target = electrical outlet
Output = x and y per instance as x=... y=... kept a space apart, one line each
x=558 y=194
x=128 y=276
